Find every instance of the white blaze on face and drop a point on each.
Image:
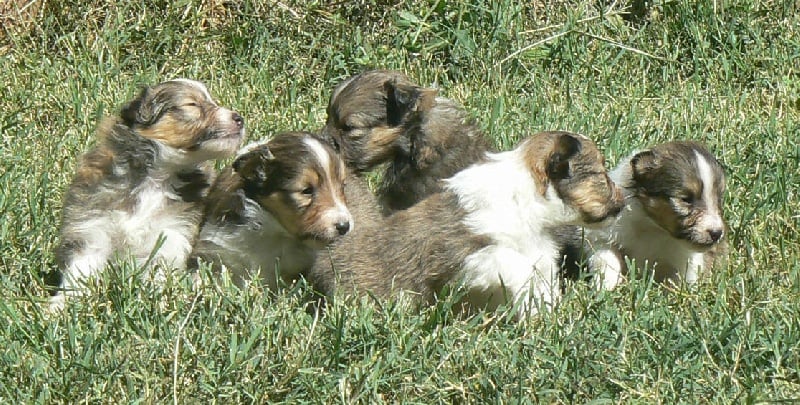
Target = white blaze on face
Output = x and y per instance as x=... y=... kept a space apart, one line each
x=712 y=220
x=339 y=212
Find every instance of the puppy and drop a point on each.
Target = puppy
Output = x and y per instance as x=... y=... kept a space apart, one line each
x=485 y=229
x=673 y=220
x=380 y=116
x=143 y=183
x=279 y=203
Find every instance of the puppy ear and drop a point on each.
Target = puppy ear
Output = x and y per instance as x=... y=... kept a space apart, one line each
x=565 y=148
x=253 y=165
x=402 y=99
x=143 y=110
x=643 y=163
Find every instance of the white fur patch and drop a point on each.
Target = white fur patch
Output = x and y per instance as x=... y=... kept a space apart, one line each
x=339 y=212
x=608 y=269
x=262 y=247
x=647 y=244
x=137 y=233
x=502 y=202
x=712 y=219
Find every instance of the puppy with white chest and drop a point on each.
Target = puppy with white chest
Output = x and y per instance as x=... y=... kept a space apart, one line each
x=487 y=229
x=380 y=116
x=673 y=222
x=268 y=214
x=143 y=183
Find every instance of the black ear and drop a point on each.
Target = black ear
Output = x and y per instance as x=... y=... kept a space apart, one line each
x=143 y=110
x=643 y=163
x=565 y=148
x=401 y=99
x=254 y=165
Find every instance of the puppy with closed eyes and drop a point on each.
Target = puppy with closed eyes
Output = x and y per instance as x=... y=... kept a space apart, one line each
x=486 y=230
x=143 y=184
x=673 y=221
x=268 y=214
x=380 y=116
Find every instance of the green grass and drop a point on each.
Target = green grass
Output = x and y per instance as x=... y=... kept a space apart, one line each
x=722 y=72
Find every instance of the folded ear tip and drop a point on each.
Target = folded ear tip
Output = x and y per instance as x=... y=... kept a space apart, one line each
x=642 y=155
x=568 y=144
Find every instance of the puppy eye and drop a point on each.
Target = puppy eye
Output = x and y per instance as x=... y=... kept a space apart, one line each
x=308 y=191
x=688 y=199
x=191 y=105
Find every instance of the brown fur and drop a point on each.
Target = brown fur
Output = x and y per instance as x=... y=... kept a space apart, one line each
x=423 y=248
x=672 y=222
x=278 y=203
x=556 y=155
x=418 y=250
x=157 y=149
x=295 y=193
x=669 y=190
x=380 y=116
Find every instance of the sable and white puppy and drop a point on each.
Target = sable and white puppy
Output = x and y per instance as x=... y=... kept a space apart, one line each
x=144 y=181
x=269 y=213
x=485 y=229
x=380 y=116
x=673 y=219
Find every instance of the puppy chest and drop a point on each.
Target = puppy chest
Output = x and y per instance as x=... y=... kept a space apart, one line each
x=157 y=214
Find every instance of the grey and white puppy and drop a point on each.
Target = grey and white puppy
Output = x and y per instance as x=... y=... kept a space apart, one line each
x=143 y=183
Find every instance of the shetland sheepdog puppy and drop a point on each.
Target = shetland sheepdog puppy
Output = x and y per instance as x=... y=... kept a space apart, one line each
x=486 y=230
x=672 y=223
x=140 y=191
x=269 y=213
x=381 y=117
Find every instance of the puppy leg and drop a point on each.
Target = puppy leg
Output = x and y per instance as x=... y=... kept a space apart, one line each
x=607 y=266
x=170 y=251
x=694 y=268
x=81 y=266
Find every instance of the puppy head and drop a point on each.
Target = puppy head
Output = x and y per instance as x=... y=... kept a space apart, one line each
x=680 y=186
x=300 y=181
x=370 y=114
x=570 y=168
x=181 y=115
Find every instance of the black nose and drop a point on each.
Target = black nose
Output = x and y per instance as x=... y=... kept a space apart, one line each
x=342 y=227
x=238 y=119
x=715 y=234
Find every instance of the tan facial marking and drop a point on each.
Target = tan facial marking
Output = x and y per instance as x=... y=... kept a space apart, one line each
x=679 y=189
x=368 y=115
x=575 y=167
x=184 y=116
x=301 y=184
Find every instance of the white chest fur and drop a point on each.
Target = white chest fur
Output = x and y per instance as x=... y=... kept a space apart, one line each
x=652 y=248
x=157 y=227
x=260 y=246
x=159 y=213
